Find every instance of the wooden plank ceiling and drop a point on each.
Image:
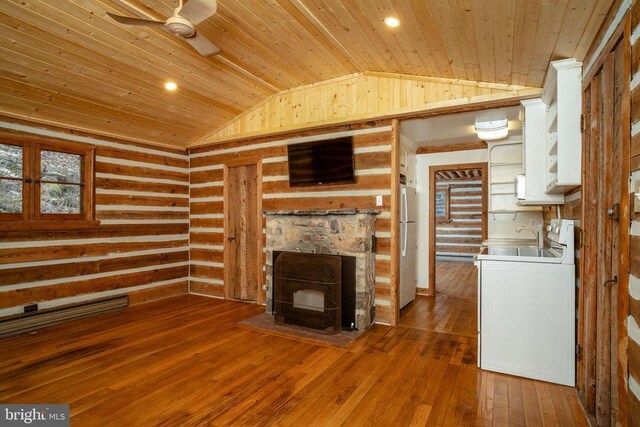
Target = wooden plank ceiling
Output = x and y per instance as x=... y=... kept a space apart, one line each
x=459 y=175
x=67 y=63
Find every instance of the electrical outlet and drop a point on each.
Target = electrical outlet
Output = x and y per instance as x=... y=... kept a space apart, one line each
x=30 y=308
x=378 y=200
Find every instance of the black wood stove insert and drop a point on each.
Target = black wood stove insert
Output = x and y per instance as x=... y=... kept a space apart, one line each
x=314 y=291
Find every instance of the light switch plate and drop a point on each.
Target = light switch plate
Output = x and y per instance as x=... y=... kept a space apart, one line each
x=378 y=200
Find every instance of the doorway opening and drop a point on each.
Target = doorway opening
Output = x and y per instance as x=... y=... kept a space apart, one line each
x=457 y=228
x=448 y=148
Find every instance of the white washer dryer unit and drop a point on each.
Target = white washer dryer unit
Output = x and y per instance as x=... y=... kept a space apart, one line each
x=526 y=308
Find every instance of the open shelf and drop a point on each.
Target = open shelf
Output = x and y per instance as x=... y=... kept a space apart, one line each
x=506 y=164
x=553 y=123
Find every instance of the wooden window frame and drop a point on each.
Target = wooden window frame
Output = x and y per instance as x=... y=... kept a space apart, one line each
x=447 y=210
x=25 y=187
x=31 y=218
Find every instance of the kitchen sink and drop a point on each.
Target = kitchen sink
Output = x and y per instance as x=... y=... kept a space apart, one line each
x=535 y=252
x=529 y=252
x=515 y=252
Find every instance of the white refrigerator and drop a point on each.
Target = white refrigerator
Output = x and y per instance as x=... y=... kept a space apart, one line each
x=408 y=245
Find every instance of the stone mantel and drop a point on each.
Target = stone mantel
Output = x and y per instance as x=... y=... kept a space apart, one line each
x=323 y=212
x=344 y=232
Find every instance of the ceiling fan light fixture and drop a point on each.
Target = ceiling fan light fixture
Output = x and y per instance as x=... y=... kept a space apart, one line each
x=180 y=26
x=492 y=130
x=170 y=86
x=391 y=21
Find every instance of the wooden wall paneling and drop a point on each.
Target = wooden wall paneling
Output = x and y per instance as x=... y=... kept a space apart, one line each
x=373 y=152
x=621 y=258
x=228 y=230
x=366 y=130
x=324 y=202
x=143 y=228
x=597 y=51
x=633 y=316
x=260 y=238
x=381 y=91
x=152 y=294
x=583 y=293
x=432 y=231
x=92 y=288
x=252 y=234
x=22 y=275
x=590 y=188
x=602 y=332
x=117 y=232
x=604 y=230
x=461 y=186
x=395 y=223
x=47 y=253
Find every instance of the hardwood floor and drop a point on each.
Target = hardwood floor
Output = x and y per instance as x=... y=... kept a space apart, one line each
x=183 y=361
x=454 y=309
x=456 y=279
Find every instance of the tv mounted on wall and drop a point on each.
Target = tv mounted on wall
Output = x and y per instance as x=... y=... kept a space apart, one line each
x=321 y=162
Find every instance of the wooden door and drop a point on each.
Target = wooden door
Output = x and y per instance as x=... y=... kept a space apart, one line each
x=605 y=100
x=241 y=233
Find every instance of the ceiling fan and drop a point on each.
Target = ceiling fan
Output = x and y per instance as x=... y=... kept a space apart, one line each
x=182 y=24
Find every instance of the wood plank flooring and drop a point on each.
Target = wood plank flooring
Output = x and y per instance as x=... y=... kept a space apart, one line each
x=183 y=361
x=456 y=279
x=455 y=306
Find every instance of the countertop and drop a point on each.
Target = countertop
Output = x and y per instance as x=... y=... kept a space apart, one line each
x=510 y=243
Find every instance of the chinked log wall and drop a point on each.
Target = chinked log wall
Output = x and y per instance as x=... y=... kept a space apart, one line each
x=372 y=146
x=462 y=234
x=633 y=320
x=140 y=247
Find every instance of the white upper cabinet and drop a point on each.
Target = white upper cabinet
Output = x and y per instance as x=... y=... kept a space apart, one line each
x=533 y=186
x=562 y=95
x=552 y=141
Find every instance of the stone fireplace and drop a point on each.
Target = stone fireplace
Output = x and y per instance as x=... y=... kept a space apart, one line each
x=349 y=234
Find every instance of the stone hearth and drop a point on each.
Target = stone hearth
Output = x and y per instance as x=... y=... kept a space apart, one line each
x=340 y=232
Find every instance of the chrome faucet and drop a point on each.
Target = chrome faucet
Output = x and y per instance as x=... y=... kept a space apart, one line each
x=537 y=233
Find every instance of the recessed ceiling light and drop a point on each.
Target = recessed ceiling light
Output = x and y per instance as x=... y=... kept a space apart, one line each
x=171 y=86
x=391 y=21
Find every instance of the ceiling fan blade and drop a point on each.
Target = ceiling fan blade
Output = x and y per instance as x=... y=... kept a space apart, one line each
x=197 y=11
x=136 y=21
x=202 y=44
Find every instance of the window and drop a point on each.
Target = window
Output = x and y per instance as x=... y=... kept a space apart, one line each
x=442 y=205
x=44 y=182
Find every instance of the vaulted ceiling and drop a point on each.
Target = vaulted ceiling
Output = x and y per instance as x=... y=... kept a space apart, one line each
x=66 y=62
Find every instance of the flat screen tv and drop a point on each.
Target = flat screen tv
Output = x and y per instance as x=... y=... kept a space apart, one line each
x=321 y=162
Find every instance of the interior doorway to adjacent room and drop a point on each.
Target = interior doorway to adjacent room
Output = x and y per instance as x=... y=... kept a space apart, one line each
x=458 y=226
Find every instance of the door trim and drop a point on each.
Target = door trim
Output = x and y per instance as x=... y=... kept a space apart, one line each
x=432 y=219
